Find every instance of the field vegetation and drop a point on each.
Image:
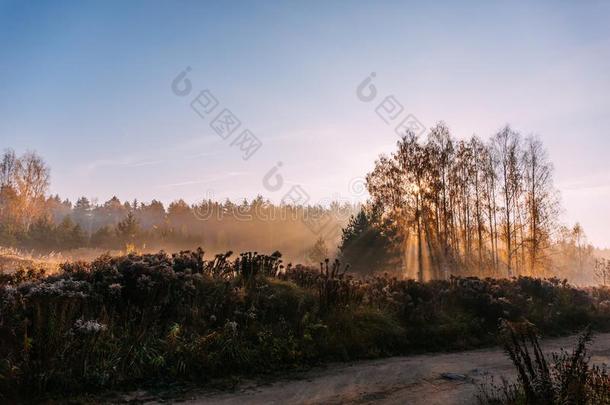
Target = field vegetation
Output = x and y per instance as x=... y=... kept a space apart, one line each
x=137 y=319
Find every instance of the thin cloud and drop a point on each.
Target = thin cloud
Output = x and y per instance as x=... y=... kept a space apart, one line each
x=129 y=161
x=210 y=179
x=594 y=182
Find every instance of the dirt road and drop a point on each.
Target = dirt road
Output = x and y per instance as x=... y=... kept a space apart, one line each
x=423 y=379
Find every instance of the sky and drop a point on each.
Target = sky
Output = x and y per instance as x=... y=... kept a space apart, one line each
x=89 y=86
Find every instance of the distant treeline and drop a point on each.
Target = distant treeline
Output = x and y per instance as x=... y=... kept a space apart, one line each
x=32 y=220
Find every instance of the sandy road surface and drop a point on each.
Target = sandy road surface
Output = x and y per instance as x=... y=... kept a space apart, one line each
x=423 y=379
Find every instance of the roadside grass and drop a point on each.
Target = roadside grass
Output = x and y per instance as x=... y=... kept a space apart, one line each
x=564 y=378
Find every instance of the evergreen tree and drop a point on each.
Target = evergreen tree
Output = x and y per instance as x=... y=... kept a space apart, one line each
x=366 y=247
x=104 y=237
x=318 y=252
x=127 y=229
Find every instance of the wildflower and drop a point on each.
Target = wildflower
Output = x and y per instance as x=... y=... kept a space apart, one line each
x=115 y=287
x=91 y=327
x=9 y=295
x=145 y=282
x=231 y=326
x=63 y=287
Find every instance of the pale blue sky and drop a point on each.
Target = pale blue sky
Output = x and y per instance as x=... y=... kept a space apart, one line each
x=87 y=85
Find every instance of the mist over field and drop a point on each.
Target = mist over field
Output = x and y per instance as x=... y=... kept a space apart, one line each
x=437 y=207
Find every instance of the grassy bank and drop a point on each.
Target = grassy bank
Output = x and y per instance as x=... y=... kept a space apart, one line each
x=143 y=318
